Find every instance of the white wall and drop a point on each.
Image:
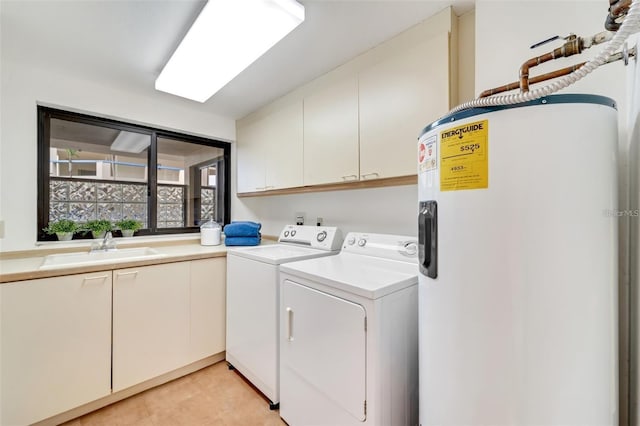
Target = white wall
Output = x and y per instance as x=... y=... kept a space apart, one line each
x=24 y=86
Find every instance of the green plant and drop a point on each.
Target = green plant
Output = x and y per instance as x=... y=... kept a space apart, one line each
x=63 y=225
x=98 y=226
x=130 y=224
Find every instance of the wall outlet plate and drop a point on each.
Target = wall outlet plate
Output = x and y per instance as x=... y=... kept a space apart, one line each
x=300 y=218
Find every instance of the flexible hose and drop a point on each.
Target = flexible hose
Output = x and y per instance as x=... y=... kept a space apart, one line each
x=630 y=25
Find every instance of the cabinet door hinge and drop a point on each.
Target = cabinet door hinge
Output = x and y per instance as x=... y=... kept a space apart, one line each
x=365 y=324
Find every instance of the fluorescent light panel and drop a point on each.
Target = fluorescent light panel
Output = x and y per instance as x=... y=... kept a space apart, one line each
x=226 y=38
x=131 y=142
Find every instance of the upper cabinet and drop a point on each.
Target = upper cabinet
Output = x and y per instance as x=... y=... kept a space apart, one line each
x=331 y=134
x=398 y=98
x=359 y=122
x=269 y=150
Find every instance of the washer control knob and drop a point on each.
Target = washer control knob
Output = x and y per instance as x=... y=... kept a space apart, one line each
x=286 y=233
x=411 y=248
x=293 y=232
x=351 y=240
x=362 y=242
x=321 y=236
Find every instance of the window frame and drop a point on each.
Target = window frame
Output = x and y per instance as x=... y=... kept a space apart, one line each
x=45 y=114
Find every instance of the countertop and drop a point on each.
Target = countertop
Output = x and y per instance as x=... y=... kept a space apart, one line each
x=26 y=265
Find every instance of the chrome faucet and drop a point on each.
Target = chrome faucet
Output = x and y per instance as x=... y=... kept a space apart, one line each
x=108 y=243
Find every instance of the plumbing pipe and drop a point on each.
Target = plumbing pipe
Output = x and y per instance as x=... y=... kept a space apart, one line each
x=630 y=25
x=617 y=9
x=532 y=80
x=555 y=74
x=573 y=46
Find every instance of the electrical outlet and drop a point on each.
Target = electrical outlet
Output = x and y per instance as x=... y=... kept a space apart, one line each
x=319 y=221
x=300 y=218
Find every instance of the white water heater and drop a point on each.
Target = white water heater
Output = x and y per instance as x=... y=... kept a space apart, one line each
x=518 y=260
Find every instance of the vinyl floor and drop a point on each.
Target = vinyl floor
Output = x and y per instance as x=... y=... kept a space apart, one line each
x=212 y=396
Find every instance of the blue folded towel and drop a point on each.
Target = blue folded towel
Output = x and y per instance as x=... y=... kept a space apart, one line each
x=242 y=229
x=241 y=241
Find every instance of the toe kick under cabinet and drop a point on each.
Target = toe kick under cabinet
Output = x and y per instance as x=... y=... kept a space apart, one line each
x=58 y=334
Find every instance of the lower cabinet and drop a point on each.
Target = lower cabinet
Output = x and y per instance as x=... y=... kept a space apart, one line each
x=165 y=317
x=70 y=340
x=150 y=322
x=56 y=345
x=208 y=307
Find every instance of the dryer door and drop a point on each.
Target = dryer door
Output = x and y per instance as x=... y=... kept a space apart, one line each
x=324 y=354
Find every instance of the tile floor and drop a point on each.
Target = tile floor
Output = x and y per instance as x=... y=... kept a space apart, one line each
x=211 y=396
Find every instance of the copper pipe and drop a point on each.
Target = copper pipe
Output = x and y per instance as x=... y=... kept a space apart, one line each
x=619 y=8
x=533 y=80
x=624 y=55
x=571 y=47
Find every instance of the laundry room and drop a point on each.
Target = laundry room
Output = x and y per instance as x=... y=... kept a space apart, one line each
x=314 y=212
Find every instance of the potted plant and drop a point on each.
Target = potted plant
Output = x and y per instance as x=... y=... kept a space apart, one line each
x=98 y=228
x=128 y=226
x=63 y=228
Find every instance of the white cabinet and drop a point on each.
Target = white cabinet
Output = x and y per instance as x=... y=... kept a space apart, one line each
x=398 y=97
x=269 y=150
x=150 y=322
x=331 y=134
x=166 y=317
x=250 y=157
x=208 y=308
x=56 y=345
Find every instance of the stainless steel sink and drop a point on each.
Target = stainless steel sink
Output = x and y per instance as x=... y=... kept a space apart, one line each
x=67 y=260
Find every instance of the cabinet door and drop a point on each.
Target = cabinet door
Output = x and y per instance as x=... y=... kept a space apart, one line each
x=150 y=322
x=283 y=139
x=331 y=134
x=208 y=308
x=56 y=345
x=398 y=98
x=250 y=153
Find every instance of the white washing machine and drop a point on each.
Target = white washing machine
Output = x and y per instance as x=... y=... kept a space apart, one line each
x=349 y=335
x=253 y=297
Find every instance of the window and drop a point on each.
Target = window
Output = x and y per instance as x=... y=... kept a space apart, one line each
x=93 y=168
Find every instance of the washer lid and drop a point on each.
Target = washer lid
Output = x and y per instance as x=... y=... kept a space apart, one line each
x=366 y=276
x=276 y=254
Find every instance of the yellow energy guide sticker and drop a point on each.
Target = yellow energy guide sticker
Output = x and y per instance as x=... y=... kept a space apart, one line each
x=464 y=157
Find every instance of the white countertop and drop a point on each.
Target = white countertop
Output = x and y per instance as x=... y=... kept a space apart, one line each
x=27 y=265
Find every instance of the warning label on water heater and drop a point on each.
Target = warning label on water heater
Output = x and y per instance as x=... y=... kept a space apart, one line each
x=464 y=157
x=427 y=154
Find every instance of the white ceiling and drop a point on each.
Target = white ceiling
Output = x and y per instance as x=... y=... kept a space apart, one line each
x=127 y=42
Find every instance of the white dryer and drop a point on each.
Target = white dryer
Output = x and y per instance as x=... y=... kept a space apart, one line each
x=253 y=297
x=349 y=335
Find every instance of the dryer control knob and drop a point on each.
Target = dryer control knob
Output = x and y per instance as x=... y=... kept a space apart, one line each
x=351 y=241
x=293 y=232
x=286 y=233
x=362 y=242
x=321 y=236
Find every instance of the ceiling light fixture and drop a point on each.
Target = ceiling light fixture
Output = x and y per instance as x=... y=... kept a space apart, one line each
x=226 y=38
x=131 y=142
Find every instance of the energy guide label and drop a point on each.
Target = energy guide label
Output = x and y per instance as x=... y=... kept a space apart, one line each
x=464 y=157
